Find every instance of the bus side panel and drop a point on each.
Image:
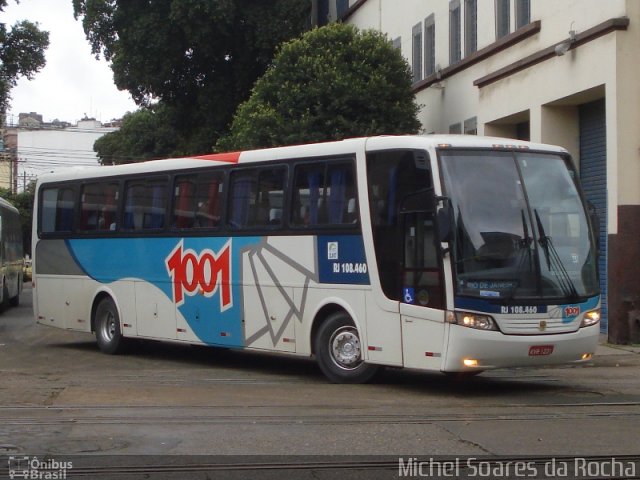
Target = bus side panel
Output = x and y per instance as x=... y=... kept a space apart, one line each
x=50 y=296
x=60 y=287
x=155 y=312
x=422 y=337
x=273 y=272
x=384 y=338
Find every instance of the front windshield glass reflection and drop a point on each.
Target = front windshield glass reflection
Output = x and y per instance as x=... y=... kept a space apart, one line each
x=520 y=227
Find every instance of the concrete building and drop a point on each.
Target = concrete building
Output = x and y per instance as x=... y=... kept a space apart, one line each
x=555 y=71
x=42 y=147
x=8 y=158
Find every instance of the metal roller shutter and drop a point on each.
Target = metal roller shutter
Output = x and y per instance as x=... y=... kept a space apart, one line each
x=593 y=173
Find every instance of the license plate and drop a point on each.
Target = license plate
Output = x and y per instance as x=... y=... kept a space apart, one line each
x=540 y=350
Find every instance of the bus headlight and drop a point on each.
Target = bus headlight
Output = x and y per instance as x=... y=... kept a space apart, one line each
x=472 y=320
x=590 y=318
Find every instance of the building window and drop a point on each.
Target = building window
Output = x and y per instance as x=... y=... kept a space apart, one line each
x=430 y=45
x=523 y=13
x=503 y=18
x=341 y=7
x=417 y=52
x=470 y=26
x=397 y=43
x=454 y=32
x=471 y=126
x=455 y=128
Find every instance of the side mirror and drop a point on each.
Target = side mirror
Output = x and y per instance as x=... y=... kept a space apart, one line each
x=418 y=201
x=445 y=223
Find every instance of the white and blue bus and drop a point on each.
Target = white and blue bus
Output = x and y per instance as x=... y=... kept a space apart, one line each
x=439 y=253
x=11 y=255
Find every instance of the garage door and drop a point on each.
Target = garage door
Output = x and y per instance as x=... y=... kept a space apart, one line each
x=593 y=173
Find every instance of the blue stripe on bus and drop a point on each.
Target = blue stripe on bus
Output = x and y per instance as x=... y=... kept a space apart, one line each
x=567 y=311
x=110 y=260
x=202 y=276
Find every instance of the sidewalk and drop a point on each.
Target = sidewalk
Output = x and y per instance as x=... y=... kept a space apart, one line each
x=605 y=348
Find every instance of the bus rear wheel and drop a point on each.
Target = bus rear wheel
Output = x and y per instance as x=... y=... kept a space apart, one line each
x=107 y=327
x=339 y=353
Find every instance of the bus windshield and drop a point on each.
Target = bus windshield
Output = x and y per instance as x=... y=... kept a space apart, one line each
x=521 y=231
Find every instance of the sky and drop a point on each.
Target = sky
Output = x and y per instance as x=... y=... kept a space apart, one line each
x=73 y=83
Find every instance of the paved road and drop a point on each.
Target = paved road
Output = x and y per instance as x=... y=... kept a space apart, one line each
x=59 y=395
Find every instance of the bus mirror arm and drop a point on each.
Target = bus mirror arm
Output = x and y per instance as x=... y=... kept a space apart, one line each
x=445 y=223
x=594 y=218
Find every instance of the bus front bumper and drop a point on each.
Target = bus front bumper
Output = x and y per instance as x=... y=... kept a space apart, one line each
x=475 y=350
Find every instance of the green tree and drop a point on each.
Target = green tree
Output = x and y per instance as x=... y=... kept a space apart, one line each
x=332 y=83
x=196 y=58
x=145 y=134
x=22 y=50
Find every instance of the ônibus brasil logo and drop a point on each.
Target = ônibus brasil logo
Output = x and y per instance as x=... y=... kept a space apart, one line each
x=203 y=273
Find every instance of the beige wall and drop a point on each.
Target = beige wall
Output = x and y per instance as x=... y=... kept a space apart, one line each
x=547 y=94
x=5 y=172
x=627 y=112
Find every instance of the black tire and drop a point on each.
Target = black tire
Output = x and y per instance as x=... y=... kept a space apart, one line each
x=4 y=305
x=107 y=327
x=339 y=351
x=15 y=301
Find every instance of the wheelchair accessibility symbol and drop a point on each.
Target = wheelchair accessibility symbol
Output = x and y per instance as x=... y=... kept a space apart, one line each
x=408 y=295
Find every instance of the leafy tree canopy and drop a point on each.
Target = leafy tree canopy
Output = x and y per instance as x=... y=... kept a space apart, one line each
x=145 y=134
x=332 y=83
x=22 y=50
x=197 y=58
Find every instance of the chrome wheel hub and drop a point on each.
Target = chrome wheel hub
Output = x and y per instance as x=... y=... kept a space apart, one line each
x=345 y=348
x=109 y=326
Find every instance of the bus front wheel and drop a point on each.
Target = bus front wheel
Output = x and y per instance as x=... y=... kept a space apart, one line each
x=107 y=327
x=339 y=353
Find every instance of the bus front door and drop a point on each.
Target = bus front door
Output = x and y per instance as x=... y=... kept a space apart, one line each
x=423 y=301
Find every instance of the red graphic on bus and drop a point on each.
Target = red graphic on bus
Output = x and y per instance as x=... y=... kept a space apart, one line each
x=203 y=273
x=571 y=311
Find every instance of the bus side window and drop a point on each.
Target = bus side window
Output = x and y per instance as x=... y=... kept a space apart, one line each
x=58 y=209
x=308 y=190
x=145 y=205
x=268 y=207
x=183 y=205
x=98 y=204
x=257 y=197
x=324 y=194
x=243 y=194
x=197 y=200
x=341 y=204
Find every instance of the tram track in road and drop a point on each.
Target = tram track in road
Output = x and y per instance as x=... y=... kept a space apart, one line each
x=30 y=416
x=361 y=467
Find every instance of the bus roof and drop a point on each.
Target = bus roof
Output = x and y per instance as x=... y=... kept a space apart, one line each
x=8 y=205
x=342 y=147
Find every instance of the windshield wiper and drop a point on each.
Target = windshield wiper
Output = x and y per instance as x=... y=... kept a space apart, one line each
x=524 y=254
x=554 y=263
